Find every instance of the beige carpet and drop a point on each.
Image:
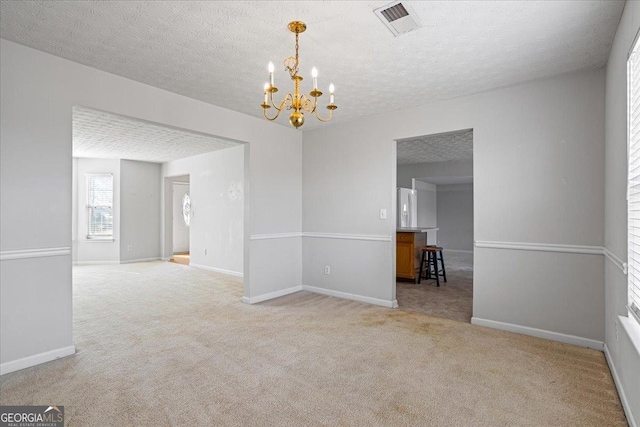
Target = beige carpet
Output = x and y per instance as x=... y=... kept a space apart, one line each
x=452 y=300
x=161 y=344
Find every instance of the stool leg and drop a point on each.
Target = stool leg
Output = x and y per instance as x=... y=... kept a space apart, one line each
x=444 y=272
x=428 y=266
x=422 y=260
x=435 y=269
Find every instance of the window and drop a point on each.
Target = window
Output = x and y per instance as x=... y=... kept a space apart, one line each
x=100 y=206
x=633 y=190
x=186 y=209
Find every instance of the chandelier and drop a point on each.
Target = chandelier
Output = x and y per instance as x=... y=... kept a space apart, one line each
x=297 y=102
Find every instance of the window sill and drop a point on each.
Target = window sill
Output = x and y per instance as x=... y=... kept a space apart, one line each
x=99 y=240
x=632 y=328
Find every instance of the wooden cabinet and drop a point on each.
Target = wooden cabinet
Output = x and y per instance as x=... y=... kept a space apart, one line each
x=405 y=256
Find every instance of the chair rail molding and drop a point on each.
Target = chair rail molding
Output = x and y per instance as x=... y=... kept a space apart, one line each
x=34 y=253
x=616 y=260
x=553 y=247
x=339 y=236
x=275 y=236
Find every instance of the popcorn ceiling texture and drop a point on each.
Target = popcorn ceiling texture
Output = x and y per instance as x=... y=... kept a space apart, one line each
x=441 y=147
x=98 y=134
x=218 y=52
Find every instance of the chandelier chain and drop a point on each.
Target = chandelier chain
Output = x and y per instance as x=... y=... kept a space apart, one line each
x=297 y=35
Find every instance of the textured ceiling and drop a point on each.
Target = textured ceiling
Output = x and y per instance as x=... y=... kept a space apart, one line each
x=440 y=147
x=97 y=134
x=217 y=52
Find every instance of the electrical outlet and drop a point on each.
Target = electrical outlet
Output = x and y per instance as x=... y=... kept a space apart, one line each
x=129 y=248
x=205 y=251
x=327 y=269
x=383 y=214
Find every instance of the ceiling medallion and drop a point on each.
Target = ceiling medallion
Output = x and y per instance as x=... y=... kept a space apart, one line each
x=296 y=102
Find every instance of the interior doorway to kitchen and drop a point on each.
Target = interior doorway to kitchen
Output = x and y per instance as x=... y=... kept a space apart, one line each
x=434 y=230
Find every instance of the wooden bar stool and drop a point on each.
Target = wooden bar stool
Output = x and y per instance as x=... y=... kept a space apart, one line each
x=430 y=257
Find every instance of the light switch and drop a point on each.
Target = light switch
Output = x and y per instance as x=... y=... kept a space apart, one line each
x=383 y=214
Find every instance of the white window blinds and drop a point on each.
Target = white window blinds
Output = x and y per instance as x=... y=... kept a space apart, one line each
x=634 y=180
x=99 y=206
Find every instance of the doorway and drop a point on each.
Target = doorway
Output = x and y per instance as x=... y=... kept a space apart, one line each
x=181 y=211
x=435 y=219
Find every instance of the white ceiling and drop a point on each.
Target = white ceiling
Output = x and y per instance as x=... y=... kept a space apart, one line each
x=98 y=134
x=217 y=52
x=440 y=147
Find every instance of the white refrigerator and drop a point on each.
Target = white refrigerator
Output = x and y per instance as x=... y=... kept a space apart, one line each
x=407 y=212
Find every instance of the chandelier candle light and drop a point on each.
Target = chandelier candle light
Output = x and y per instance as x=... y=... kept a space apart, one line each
x=296 y=102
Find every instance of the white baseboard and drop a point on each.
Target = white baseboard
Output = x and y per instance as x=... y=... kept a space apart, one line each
x=217 y=270
x=131 y=261
x=271 y=295
x=166 y=258
x=460 y=251
x=353 y=297
x=36 y=359
x=616 y=379
x=96 y=263
x=540 y=333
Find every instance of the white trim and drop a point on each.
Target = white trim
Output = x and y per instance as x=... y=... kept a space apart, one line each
x=632 y=328
x=617 y=261
x=374 y=238
x=166 y=258
x=353 y=297
x=36 y=359
x=271 y=295
x=131 y=261
x=348 y=236
x=180 y=183
x=34 y=253
x=457 y=251
x=274 y=236
x=217 y=270
x=550 y=247
x=540 y=333
x=543 y=247
x=618 y=383
x=96 y=263
x=97 y=240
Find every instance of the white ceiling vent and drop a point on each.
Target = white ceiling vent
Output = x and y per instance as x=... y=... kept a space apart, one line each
x=398 y=17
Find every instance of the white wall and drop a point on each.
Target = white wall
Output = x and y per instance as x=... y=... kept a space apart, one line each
x=139 y=211
x=427 y=199
x=97 y=251
x=538 y=177
x=455 y=216
x=180 y=228
x=37 y=93
x=136 y=212
x=217 y=190
x=623 y=355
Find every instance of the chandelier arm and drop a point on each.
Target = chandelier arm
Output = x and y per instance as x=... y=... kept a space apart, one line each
x=282 y=104
x=307 y=104
x=271 y=118
x=321 y=119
